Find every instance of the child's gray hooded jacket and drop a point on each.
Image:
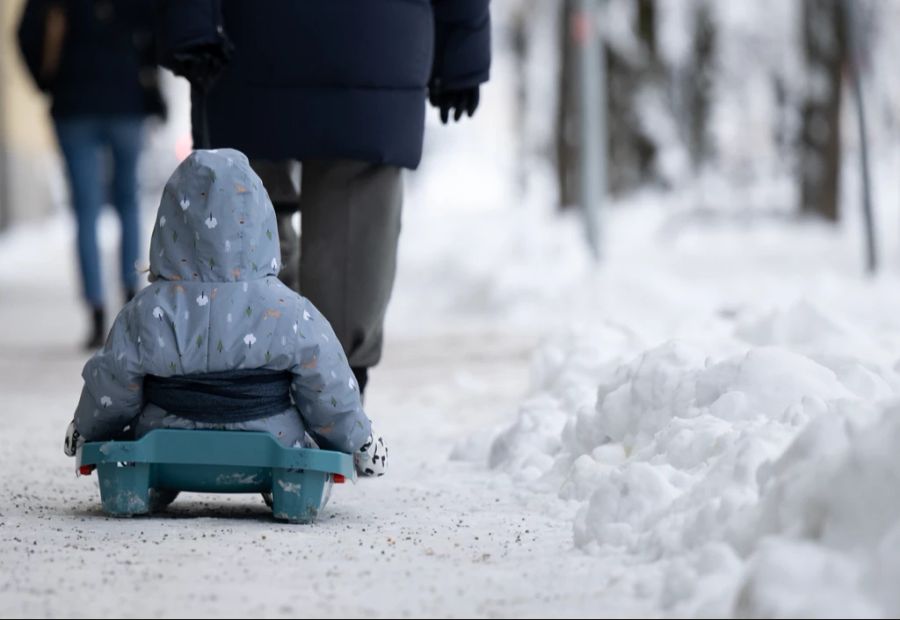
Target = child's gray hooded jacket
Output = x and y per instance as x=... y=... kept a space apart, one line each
x=216 y=305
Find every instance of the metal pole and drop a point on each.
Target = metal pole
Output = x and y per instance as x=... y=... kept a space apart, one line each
x=592 y=117
x=856 y=65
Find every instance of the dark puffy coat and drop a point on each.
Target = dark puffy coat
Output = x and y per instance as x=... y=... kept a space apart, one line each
x=328 y=79
x=107 y=65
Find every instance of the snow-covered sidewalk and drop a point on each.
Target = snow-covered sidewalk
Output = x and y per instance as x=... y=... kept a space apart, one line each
x=704 y=426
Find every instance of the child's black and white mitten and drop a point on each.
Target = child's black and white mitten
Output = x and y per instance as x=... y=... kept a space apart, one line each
x=371 y=458
x=74 y=440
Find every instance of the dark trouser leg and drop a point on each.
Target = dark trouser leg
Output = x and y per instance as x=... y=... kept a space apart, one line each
x=290 y=249
x=125 y=137
x=81 y=143
x=280 y=178
x=79 y=140
x=350 y=225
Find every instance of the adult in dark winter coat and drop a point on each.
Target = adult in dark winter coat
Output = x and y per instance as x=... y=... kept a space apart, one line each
x=341 y=86
x=94 y=58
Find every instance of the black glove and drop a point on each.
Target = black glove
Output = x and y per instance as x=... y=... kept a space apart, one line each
x=459 y=101
x=202 y=65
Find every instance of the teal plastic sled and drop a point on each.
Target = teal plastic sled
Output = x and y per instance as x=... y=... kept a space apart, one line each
x=299 y=479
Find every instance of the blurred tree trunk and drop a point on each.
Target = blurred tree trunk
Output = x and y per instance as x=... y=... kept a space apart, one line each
x=5 y=207
x=566 y=125
x=825 y=44
x=632 y=152
x=631 y=73
x=700 y=84
x=519 y=35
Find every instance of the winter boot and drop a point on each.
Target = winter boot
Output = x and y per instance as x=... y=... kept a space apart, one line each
x=98 y=329
x=362 y=378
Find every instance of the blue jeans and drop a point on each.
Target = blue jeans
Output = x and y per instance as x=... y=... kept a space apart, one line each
x=84 y=142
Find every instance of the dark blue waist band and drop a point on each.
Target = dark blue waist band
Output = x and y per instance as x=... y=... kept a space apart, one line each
x=221 y=397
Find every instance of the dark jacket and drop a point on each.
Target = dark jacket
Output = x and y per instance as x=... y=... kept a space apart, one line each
x=107 y=66
x=330 y=79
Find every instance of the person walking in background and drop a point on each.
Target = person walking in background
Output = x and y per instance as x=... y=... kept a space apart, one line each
x=94 y=58
x=341 y=86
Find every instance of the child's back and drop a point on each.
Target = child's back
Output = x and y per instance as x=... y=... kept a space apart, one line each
x=217 y=340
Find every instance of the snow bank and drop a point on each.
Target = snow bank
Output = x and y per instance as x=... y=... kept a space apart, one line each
x=757 y=477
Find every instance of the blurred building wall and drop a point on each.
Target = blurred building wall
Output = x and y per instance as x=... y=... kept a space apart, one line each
x=31 y=182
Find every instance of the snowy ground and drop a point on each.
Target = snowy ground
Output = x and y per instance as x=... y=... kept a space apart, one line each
x=703 y=426
x=724 y=411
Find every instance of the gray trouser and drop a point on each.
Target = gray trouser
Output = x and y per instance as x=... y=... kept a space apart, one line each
x=350 y=227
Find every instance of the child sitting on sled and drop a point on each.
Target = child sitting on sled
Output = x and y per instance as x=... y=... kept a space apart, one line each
x=217 y=341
